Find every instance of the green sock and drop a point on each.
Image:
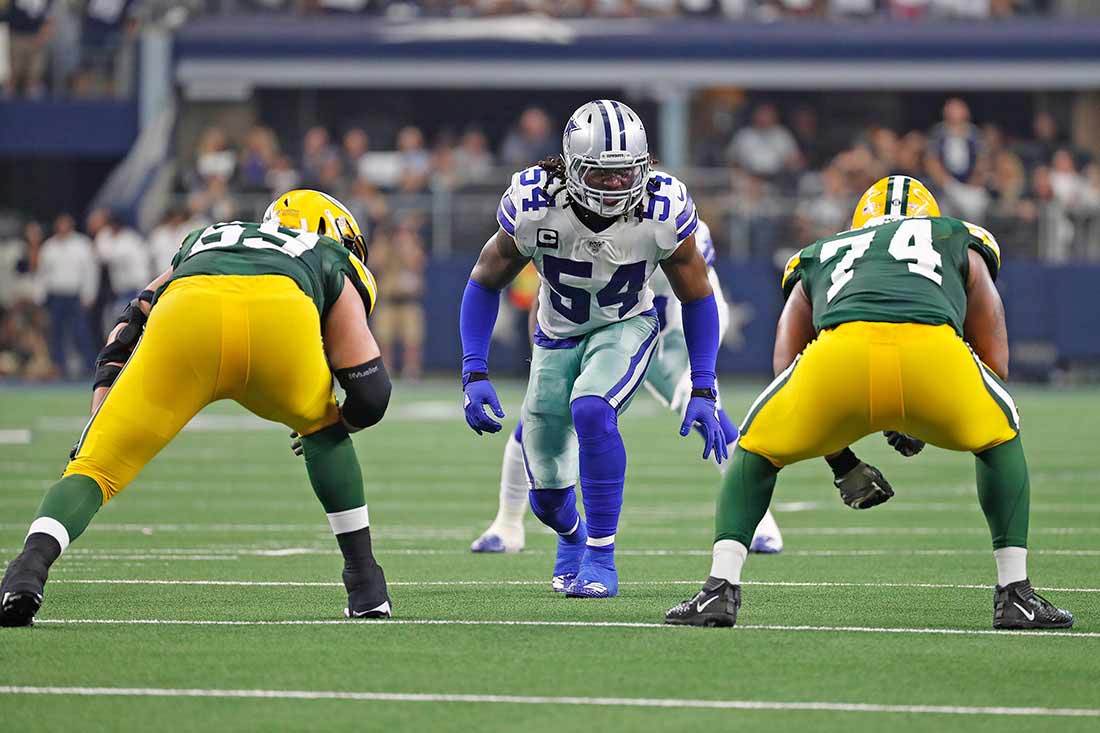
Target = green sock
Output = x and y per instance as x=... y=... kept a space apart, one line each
x=1005 y=493
x=333 y=469
x=746 y=493
x=72 y=501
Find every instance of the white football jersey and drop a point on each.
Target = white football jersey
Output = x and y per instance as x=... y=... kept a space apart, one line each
x=593 y=278
x=665 y=300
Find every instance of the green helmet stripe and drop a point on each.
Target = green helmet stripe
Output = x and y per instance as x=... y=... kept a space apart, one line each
x=905 y=196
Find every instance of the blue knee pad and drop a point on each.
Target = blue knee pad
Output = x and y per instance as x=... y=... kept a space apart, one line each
x=594 y=419
x=556 y=508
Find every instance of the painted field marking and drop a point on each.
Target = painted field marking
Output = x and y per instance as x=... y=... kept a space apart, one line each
x=638 y=702
x=15 y=437
x=492 y=583
x=572 y=624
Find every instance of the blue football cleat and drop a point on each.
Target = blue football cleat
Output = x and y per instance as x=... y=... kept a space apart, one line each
x=766 y=545
x=596 y=578
x=568 y=561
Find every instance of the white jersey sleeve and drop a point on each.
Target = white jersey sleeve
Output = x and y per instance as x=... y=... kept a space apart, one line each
x=668 y=204
x=524 y=205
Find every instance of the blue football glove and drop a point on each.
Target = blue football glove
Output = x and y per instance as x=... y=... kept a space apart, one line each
x=478 y=392
x=703 y=411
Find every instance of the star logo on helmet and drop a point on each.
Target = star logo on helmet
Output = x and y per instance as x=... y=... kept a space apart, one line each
x=571 y=127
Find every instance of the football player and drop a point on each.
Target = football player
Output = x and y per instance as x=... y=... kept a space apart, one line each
x=597 y=222
x=239 y=315
x=668 y=380
x=895 y=326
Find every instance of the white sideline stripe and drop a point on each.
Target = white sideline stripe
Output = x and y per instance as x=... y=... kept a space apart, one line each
x=576 y=624
x=637 y=702
x=231 y=554
x=15 y=437
x=492 y=583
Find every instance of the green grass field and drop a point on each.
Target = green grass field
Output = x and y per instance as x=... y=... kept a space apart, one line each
x=207 y=595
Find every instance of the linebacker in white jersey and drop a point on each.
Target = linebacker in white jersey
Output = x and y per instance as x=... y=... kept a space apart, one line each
x=597 y=223
x=668 y=380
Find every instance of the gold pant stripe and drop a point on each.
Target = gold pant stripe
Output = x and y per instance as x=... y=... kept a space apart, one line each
x=861 y=378
x=253 y=339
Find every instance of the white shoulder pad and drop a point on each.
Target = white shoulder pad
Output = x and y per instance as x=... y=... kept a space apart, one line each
x=668 y=204
x=527 y=202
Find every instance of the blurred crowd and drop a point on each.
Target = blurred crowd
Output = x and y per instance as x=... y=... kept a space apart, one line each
x=762 y=10
x=766 y=182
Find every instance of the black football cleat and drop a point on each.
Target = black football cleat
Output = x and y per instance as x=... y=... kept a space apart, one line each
x=715 y=605
x=367 y=594
x=1018 y=606
x=21 y=590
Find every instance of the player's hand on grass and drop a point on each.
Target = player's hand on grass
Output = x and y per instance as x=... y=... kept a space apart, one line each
x=907 y=445
x=703 y=411
x=478 y=393
x=296 y=443
x=864 y=487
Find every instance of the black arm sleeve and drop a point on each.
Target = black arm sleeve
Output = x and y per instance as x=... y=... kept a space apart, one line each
x=368 y=393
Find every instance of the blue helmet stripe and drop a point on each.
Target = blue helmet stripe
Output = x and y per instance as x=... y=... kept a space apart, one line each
x=606 y=126
x=622 y=124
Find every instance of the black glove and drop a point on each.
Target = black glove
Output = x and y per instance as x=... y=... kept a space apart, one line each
x=907 y=445
x=864 y=487
x=296 y=443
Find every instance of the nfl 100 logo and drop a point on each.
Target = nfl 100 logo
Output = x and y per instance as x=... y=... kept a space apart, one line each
x=595 y=245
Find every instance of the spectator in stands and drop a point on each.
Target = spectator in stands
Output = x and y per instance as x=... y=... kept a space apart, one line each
x=830 y=211
x=765 y=148
x=1055 y=226
x=955 y=144
x=166 y=237
x=123 y=253
x=315 y=151
x=281 y=176
x=415 y=162
x=69 y=274
x=399 y=319
x=213 y=203
x=472 y=158
x=367 y=204
x=1045 y=141
x=356 y=145
x=23 y=326
x=331 y=179
x=531 y=140
x=29 y=29
x=1070 y=187
x=107 y=31
x=257 y=157
x=213 y=159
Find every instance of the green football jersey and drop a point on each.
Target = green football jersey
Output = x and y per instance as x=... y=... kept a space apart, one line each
x=317 y=264
x=910 y=270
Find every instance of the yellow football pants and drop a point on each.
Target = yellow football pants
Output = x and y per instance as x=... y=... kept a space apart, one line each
x=860 y=378
x=253 y=339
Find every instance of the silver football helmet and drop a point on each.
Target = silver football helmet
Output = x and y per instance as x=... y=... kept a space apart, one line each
x=606 y=157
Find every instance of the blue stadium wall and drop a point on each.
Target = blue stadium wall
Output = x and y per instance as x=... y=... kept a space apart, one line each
x=1051 y=314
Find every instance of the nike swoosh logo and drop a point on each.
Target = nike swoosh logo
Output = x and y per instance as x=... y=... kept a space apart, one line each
x=700 y=606
x=1024 y=611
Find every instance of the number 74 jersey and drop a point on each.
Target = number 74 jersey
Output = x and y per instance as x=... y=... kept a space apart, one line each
x=593 y=279
x=911 y=270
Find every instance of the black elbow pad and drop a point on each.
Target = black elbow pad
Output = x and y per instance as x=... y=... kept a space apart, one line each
x=368 y=393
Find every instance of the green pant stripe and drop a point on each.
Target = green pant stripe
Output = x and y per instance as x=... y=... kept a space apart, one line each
x=767 y=394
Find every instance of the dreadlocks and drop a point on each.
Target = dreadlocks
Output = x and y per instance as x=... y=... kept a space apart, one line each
x=554 y=165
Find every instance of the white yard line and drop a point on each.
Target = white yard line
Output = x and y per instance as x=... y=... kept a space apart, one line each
x=15 y=437
x=637 y=702
x=494 y=583
x=574 y=624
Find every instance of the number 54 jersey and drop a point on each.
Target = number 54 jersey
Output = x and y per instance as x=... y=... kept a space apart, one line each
x=911 y=270
x=593 y=279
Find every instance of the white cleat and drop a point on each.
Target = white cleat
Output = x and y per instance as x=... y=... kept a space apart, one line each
x=767 y=540
x=499 y=539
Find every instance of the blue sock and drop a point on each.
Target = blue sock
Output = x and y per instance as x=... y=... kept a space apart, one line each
x=602 y=468
x=557 y=509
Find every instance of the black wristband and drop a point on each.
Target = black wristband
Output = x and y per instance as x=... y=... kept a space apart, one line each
x=474 y=377
x=105 y=375
x=842 y=462
x=146 y=296
x=705 y=392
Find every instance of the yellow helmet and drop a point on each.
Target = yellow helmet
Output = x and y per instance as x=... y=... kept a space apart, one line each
x=313 y=211
x=894 y=196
